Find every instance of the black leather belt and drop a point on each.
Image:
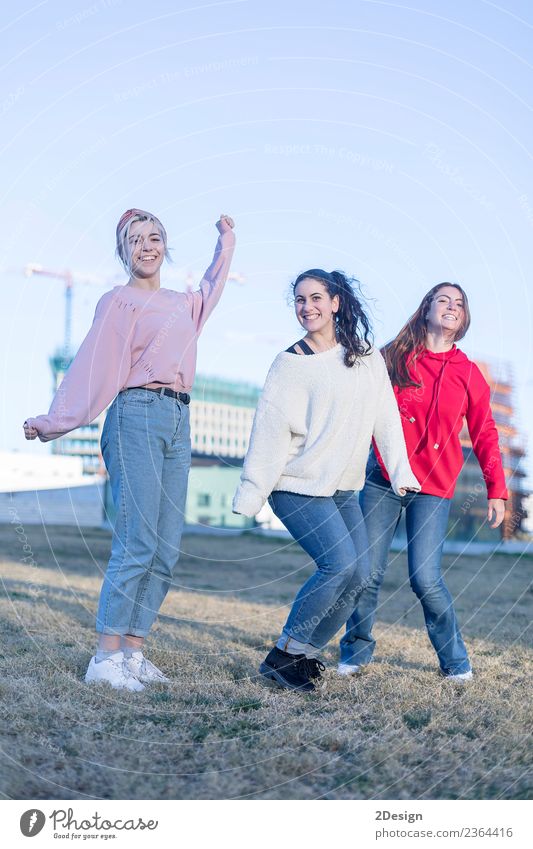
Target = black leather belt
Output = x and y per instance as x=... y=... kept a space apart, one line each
x=184 y=397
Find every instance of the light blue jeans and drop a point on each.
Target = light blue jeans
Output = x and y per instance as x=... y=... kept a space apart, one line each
x=332 y=532
x=146 y=447
x=426 y=522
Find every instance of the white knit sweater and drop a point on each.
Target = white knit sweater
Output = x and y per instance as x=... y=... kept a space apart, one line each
x=313 y=427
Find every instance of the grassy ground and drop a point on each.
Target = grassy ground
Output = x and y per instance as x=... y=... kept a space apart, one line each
x=398 y=731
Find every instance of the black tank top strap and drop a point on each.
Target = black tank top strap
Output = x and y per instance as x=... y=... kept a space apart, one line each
x=304 y=347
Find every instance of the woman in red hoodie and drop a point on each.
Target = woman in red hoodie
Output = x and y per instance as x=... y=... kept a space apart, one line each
x=437 y=387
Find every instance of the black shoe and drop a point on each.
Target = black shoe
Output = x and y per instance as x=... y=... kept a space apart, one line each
x=315 y=669
x=292 y=671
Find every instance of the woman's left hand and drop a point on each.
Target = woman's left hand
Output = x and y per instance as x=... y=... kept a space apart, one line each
x=496 y=511
x=225 y=223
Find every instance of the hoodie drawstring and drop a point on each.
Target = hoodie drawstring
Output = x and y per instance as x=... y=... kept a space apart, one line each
x=437 y=442
x=433 y=412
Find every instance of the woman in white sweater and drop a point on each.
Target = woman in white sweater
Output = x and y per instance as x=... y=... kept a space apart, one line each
x=323 y=401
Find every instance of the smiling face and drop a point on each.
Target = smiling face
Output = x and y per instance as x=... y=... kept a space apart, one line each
x=145 y=248
x=447 y=311
x=314 y=306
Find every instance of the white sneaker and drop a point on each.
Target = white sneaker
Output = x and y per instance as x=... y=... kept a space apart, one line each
x=144 y=670
x=460 y=677
x=348 y=669
x=114 y=671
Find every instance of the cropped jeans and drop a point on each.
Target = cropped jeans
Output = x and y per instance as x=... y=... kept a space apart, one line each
x=332 y=532
x=426 y=522
x=146 y=447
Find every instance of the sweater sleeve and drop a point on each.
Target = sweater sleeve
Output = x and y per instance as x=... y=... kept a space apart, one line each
x=484 y=435
x=97 y=373
x=388 y=434
x=204 y=300
x=267 y=453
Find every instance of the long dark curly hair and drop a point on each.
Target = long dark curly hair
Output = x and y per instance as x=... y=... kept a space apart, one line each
x=352 y=326
x=407 y=346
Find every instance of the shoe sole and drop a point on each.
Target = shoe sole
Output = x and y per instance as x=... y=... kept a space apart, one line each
x=273 y=675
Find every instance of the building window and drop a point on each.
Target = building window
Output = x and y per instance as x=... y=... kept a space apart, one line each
x=204 y=499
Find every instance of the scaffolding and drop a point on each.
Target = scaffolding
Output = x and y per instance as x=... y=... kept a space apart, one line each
x=500 y=377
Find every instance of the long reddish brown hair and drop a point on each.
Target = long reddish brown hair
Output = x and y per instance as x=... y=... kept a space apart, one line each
x=407 y=346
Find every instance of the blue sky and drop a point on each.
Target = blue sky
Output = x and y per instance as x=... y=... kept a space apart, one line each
x=388 y=139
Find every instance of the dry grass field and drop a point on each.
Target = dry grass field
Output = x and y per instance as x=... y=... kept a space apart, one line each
x=397 y=732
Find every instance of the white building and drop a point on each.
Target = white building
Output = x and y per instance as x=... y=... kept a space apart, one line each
x=39 y=488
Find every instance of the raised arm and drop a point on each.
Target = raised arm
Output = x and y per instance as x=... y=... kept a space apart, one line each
x=388 y=433
x=205 y=299
x=97 y=373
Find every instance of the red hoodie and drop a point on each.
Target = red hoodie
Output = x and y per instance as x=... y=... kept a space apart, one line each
x=452 y=388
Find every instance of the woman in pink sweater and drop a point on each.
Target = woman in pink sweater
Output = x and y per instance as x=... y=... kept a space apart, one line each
x=141 y=352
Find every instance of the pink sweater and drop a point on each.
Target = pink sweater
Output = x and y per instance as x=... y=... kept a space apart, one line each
x=137 y=338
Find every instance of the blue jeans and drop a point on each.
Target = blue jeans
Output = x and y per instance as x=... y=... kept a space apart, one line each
x=426 y=521
x=332 y=532
x=146 y=447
